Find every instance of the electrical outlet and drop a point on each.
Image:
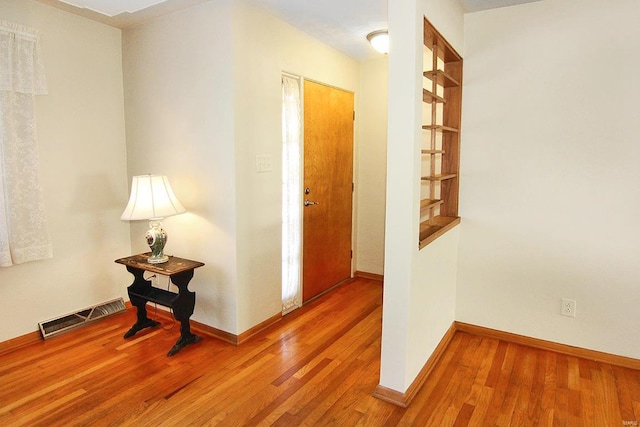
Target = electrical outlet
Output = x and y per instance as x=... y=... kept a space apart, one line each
x=264 y=163
x=568 y=307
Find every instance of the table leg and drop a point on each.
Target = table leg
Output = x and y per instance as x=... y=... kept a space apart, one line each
x=182 y=310
x=142 y=321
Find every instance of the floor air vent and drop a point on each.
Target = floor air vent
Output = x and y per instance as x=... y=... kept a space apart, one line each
x=59 y=325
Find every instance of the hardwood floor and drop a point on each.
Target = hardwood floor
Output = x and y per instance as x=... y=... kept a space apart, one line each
x=318 y=366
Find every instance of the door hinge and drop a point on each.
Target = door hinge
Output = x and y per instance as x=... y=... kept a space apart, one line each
x=351 y=254
x=353 y=187
x=354 y=116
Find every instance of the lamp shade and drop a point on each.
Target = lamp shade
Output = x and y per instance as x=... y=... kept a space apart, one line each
x=151 y=198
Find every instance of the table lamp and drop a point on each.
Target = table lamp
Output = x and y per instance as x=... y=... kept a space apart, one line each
x=152 y=198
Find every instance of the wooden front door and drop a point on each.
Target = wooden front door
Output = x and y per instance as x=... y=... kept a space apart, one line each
x=328 y=193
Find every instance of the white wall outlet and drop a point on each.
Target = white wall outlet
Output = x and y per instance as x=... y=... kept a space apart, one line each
x=264 y=163
x=568 y=307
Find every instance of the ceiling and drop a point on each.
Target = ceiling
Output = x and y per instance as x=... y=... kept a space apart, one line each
x=345 y=31
x=113 y=7
x=478 y=5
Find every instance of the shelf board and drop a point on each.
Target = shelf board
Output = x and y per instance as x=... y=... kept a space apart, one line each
x=432 y=151
x=156 y=295
x=435 y=227
x=427 y=204
x=441 y=78
x=430 y=97
x=440 y=177
x=440 y=128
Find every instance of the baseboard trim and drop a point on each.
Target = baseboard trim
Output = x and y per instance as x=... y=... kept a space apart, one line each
x=370 y=276
x=404 y=399
x=391 y=396
x=34 y=337
x=220 y=334
x=249 y=333
x=197 y=327
x=19 y=342
x=598 y=356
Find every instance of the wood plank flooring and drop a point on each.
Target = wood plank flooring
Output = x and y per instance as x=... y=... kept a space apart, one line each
x=318 y=366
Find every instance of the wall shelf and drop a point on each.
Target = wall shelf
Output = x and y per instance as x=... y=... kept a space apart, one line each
x=432 y=229
x=426 y=204
x=441 y=78
x=439 y=177
x=440 y=151
x=440 y=128
x=431 y=97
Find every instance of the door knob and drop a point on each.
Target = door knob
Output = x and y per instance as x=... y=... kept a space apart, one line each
x=308 y=202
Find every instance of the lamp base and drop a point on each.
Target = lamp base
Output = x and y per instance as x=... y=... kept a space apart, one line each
x=156 y=239
x=160 y=260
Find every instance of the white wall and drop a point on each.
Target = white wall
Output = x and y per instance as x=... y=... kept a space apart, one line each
x=179 y=100
x=203 y=98
x=372 y=165
x=420 y=286
x=549 y=194
x=80 y=126
x=264 y=47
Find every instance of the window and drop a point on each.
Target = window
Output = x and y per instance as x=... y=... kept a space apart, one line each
x=23 y=231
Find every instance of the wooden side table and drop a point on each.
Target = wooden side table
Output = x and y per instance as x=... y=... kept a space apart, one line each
x=180 y=272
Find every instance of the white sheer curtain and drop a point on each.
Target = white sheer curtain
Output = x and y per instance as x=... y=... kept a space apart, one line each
x=291 y=193
x=23 y=231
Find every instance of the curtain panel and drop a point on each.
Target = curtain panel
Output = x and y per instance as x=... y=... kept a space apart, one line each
x=23 y=231
x=291 y=193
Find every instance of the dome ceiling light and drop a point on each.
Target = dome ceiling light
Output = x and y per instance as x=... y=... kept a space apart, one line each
x=379 y=40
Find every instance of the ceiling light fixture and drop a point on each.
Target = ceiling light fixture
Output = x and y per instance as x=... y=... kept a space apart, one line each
x=379 y=40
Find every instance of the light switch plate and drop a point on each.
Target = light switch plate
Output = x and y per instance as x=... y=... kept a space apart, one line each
x=264 y=163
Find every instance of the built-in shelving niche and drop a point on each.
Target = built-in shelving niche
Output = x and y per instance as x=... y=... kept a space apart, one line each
x=440 y=153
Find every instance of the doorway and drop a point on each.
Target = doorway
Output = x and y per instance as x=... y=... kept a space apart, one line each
x=317 y=189
x=327 y=188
